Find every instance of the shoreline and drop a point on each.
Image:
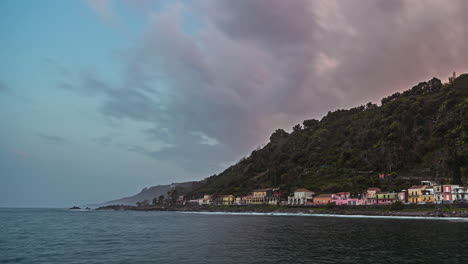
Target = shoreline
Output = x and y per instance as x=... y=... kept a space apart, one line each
x=433 y=212
x=336 y=215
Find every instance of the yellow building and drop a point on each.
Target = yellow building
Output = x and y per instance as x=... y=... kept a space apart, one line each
x=258 y=196
x=428 y=195
x=386 y=197
x=225 y=199
x=415 y=194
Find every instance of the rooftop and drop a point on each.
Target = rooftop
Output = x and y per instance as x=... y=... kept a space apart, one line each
x=303 y=190
x=326 y=195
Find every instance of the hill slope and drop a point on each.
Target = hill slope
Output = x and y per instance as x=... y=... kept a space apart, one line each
x=153 y=192
x=420 y=132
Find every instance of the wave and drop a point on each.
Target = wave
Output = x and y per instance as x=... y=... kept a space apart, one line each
x=462 y=219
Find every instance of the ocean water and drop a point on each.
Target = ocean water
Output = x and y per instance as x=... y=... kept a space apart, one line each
x=64 y=236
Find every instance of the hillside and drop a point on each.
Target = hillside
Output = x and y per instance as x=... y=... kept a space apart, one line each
x=153 y=192
x=420 y=133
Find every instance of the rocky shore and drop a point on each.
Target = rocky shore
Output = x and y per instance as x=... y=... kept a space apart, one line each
x=415 y=211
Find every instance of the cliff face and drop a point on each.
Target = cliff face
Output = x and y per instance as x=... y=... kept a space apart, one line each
x=422 y=132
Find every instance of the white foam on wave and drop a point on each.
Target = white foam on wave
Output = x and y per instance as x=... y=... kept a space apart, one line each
x=462 y=219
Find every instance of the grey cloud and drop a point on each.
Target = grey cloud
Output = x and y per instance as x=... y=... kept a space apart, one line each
x=258 y=65
x=52 y=139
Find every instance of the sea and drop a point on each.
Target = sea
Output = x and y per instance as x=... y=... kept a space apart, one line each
x=67 y=236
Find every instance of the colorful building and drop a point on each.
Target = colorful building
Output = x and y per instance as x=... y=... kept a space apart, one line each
x=322 y=199
x=444 y=193
x=371 y=195
x=415 y=193
x=259 y=196
x=340 y=198
x=225 y=199
x=403 y=196
x=386 y=197
x=301 y=197
x=276 y=198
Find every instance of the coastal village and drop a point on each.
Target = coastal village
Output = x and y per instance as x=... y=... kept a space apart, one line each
x=427 y=192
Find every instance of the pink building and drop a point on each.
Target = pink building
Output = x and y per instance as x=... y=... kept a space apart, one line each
x=344 y=198
x=340 y=198
x=403 y=196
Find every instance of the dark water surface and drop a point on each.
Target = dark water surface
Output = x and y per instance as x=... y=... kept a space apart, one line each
x=62 y=236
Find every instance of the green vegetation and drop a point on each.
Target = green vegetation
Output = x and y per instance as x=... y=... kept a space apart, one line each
x=397 y=206
x=422 y=132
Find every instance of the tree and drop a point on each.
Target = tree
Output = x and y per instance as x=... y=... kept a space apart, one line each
x=397 y=206
x=297 y=128
x=161 y=199
x=310 y=123
x=278 y=134
x=155 y=201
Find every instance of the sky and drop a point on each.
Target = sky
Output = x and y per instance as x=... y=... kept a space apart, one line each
x=101 y=98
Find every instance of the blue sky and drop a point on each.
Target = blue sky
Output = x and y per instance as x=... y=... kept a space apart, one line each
x=101 y=98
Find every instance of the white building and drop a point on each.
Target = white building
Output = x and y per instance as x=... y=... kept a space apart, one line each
x=206 y=200
x=460 y=193
x=301 y=197
x=444 y=193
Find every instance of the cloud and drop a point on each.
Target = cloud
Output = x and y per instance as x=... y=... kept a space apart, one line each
x=205 y=139
x=217 y=92
x=52 y=139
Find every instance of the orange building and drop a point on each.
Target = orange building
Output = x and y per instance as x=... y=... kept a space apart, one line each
x=322 y=199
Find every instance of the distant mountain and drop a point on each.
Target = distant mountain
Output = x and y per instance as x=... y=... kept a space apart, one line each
x=154 y=192
x=421 y=133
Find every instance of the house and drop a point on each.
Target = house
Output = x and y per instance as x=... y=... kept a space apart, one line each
x=415 y=193
x=238 y=201
x=403 y=196
x=428 y=183
x=428 y=194
x=275 y=198
x=228 y=199
x=386 y=197
x=356 y=201
x=322 y=199
x=459 y=193
x=444 y=193
x=371 y=197
x=193 y=202
x=181 y=200
x=259 y=196
x=225 y=199
x=340 y=198
x=301 y=197
x=206 y=200
x=345 y=198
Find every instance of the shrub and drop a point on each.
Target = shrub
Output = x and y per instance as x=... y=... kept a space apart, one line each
x=397 y=206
